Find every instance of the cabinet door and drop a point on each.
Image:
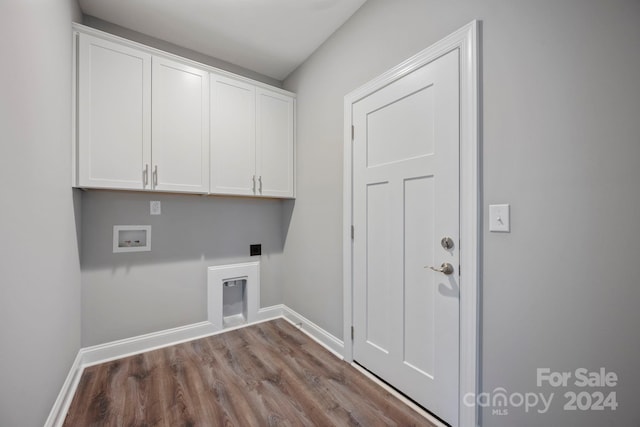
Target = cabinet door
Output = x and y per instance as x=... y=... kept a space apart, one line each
x=180 y=125
x=233 y=137
x=114 y=114
x=274 y=144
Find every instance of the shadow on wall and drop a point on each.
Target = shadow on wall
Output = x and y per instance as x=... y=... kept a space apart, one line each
x=287 y=213
x=190 y=227
x=76 y=195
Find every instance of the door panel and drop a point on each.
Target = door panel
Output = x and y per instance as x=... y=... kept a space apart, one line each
x=180 y=127
x=419 y=290
x=114 y=114
x=274 y=144
x=379 y=290
x=233 y=136
x=405 y=199
x=408 y=122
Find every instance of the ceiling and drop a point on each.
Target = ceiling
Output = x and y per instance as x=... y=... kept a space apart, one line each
x=271 y=37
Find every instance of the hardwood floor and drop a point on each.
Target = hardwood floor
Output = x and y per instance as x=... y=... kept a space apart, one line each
x=269 y=374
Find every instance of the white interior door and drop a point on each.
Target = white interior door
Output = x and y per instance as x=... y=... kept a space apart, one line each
x=405 y=200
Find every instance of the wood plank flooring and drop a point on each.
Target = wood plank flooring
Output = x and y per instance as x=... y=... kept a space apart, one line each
x=269 y=374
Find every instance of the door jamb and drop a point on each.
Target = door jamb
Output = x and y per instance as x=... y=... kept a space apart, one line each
x=465 y=39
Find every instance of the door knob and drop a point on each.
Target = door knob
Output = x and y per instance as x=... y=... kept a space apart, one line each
x=445 y=268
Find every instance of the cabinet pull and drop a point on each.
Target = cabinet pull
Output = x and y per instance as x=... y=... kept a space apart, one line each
x=260 y=181
x=145 y=176
x=155 y=176
x=254 y=184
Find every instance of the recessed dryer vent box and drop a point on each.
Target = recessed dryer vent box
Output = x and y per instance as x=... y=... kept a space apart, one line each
x=234 y=302
x=233 y=294
x=131 y=238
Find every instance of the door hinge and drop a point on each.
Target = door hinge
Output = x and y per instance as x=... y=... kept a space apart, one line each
x=353 y=232
x=353 y=132
x=352 y=333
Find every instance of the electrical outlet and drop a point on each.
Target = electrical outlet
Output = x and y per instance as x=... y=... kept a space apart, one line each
x=255 y=250
x=155 y=208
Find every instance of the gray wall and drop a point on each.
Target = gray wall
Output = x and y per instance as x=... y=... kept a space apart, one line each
x=39 y=267
x=561 y=145
x=117 y=30
x=125 y=295
x=128 y=294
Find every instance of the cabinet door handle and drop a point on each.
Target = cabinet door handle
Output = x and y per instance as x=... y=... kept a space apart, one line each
x=260 y=181
x=155 y=176
x=254 y=184
x=145 y=176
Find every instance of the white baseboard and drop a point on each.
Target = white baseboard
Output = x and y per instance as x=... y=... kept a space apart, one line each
x=94 y=355
x=102 y=353
x=129 y=346
x=62 y=403
x=270 y=313
x=330 y=342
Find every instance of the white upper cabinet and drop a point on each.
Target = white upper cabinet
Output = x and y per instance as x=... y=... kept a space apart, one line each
x=180 y=127
x=233 y=136
x=114 y=114
x=274 y=143
x=148 y=120
x=252 y=151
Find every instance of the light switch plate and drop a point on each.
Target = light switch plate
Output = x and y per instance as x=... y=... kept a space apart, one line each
x=499 y=218
x=155 y=207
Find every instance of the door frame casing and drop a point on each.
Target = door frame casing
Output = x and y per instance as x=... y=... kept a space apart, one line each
x=466 y=41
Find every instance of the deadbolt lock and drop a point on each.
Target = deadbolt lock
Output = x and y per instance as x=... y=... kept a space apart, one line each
x=447 y=243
